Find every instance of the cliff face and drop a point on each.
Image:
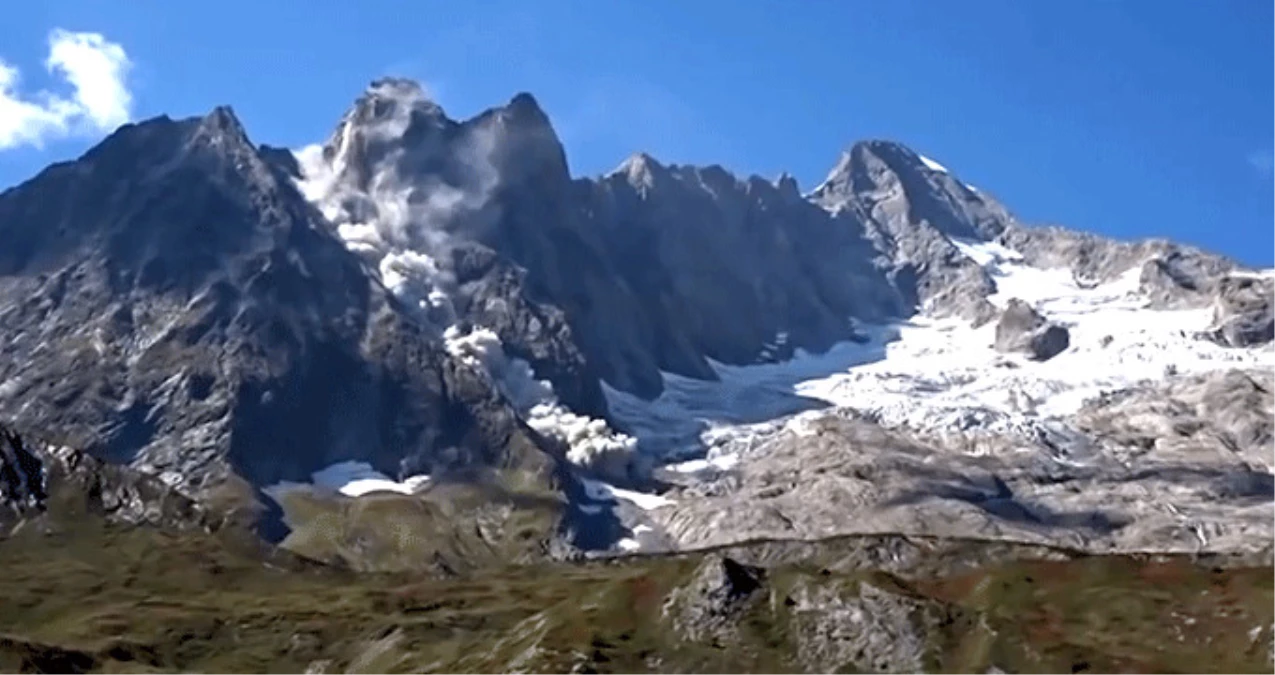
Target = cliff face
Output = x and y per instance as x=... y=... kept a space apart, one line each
x=171 y=301
x=653 y=267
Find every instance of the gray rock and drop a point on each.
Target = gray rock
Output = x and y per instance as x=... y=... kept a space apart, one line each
x=1182 y=279
x=708 y=609
x=873 y=630
x=52 y=487
x=1242 y=312
x=1022 y=329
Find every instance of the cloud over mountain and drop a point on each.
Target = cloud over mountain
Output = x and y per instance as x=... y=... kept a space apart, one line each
x=96 y=70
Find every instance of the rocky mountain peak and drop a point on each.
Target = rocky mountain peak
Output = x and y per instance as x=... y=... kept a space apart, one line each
x=518 y=142
x=388 y=97
x=869 y=165
x=525 y=110
x=222 y=123
x=787 y=186
x=640 y=170
x=837 y=182
x=903 y=190
x=393 y=122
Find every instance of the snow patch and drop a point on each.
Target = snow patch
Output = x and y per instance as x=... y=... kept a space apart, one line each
x=359 y=478
x=605 y=492
x=932 y=165
x=353 y=479
x=695 y=466
x=628 y=545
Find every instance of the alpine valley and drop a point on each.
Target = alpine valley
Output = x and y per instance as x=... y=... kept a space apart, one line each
x=418 y=399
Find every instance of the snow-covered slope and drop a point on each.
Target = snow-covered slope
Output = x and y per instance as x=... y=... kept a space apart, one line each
x=979 y=414
x=944 y=373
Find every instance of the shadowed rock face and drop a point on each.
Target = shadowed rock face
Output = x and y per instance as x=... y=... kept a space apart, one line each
x=1022 y=329
x=171 y=301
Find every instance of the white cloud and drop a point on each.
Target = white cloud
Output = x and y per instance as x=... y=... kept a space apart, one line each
x=95 y=68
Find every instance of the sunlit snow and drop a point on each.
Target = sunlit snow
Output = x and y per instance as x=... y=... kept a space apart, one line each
x=605 y=492
x=354 y=479
x=931 y=164
x=943 y=373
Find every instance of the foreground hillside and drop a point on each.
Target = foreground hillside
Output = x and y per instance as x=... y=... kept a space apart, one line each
x=120 y=598
x=107 y=569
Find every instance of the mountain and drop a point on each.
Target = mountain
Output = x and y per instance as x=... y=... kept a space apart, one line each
x=171 y=302
x=438 y=308
x=418 y=398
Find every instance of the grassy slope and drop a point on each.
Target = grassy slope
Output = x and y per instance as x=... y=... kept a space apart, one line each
x=134 y=599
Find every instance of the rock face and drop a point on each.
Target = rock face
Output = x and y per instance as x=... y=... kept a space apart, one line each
x=912 y=212
x=1242 y=314
x=654 y=267
x=172 y=302
x=49 y=485
x=1022 y=329
x=709 y=608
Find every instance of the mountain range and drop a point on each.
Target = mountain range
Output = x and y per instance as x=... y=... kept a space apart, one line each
x=420 y=303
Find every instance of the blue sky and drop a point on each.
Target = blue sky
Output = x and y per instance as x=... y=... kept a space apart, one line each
x=1131 y=118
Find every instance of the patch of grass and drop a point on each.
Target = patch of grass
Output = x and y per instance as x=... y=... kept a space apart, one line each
x=450 y=528
x=1112 y=614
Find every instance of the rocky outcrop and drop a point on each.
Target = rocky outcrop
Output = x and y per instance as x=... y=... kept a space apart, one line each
x=172 y=302
x=861 y=625
x=711 y=605
x=22 y=479
x=54 y=486
x=1242 y=311
x=1022 y=329
x=1181 y=280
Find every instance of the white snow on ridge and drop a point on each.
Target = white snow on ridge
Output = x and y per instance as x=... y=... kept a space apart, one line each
x=931 y=164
